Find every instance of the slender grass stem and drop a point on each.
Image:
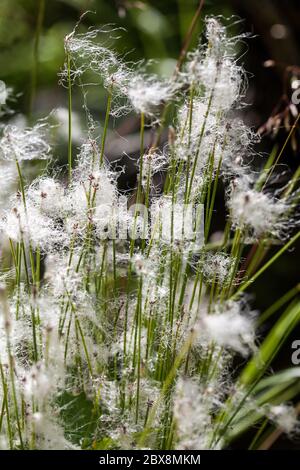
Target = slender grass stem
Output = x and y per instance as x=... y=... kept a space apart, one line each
x=69 y=117
x=106 y=121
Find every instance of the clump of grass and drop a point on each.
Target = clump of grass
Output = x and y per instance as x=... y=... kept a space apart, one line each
x=118 y=331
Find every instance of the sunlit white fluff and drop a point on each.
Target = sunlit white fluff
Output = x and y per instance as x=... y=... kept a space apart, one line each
x=217 y=267
x=48 y=195
x=50 y=434
x=8 y=181
x=257 y=211
x=146 y=93
x=214 y=68
x=193 y=407
x=285 y=417
x=31 y=226
x=230 y=325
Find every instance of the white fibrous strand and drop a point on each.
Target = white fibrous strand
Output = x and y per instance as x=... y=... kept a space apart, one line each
x=237 y=148
x=87 y=54
x=153 y=163
x=50 y=433
x=142 y=92
x=217 y=267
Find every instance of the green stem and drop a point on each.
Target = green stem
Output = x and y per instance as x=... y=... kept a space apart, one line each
x=108 y=107
x=69 y=118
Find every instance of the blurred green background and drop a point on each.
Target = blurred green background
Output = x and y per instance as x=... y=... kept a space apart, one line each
x=154 y=29
x=32 y=51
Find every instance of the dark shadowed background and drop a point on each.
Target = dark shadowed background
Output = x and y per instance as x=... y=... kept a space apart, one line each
x=32 y=53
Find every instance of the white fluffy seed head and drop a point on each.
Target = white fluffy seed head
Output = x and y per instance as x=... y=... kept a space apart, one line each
x=197 y=134
x=237 y=148
x=50 y=434
x=257 y=211
x=62 y=276
x=8 y=182
x=147 y=93
x=37 y=383
x=31 y=226
x=86 y=53
x=285 y=417
x=144 y=93
x=230 y=325
x=48 y=196
x=193 y=408
x=217 y=267
x=91 y=201
x=214 y=69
